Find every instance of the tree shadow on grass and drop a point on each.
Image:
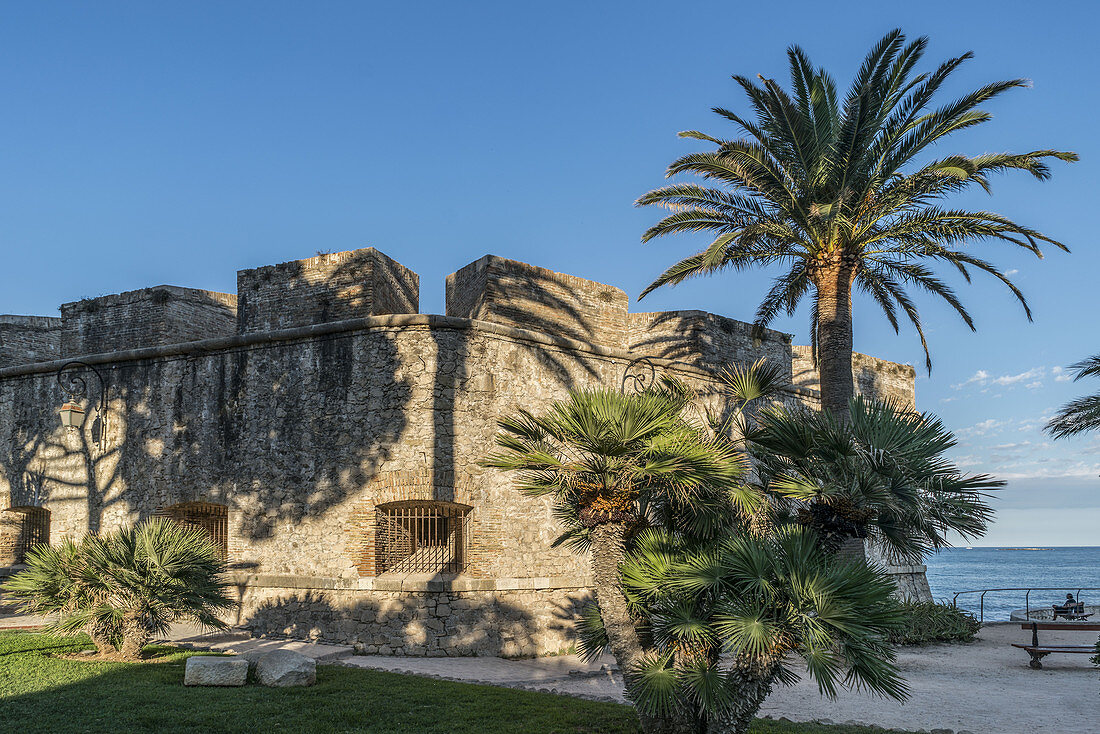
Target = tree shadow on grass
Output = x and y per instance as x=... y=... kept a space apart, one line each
x=49 y=695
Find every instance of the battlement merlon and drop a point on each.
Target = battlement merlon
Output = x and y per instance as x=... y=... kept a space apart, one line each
x=875 y=378
x=157 y=316
x=513 y=293
x=323 y=289
x=29 y=339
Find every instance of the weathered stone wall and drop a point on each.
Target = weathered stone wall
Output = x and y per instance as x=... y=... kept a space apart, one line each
x=323 y=289
x=302 y=432
x=26 y=339
x=528 y=297
x=706 y=340
x=161 y=315
x=509 y=622
x=874 y=377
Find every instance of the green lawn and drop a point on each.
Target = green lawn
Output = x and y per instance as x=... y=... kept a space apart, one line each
x=42 y=693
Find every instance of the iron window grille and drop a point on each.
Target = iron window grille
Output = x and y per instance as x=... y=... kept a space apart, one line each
x=33 y=528
x=212 y=519
x=422 y=537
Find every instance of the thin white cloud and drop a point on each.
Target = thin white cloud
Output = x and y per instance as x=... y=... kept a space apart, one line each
x=1012 y=272
x=983 y=379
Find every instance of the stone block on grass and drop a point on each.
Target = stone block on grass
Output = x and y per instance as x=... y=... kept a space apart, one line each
x=205 y=670
x=281 y=668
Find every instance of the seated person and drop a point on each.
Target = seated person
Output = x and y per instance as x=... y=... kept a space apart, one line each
x=1068 y=607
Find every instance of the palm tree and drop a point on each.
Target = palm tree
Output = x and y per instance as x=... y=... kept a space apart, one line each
x=686 y=572
x=726 y=618
x=833 y=193
x=1082 y=414
x=611 y=462
x=881 y=476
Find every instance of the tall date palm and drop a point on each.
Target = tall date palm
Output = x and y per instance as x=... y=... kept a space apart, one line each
x=1082 y=414
x=835 y=193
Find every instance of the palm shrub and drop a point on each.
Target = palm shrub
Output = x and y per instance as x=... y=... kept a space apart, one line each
x=128 y=585
x=881 y=476
x=844 y=195
x=698 y=596
x=59 y=582
x=725 y=618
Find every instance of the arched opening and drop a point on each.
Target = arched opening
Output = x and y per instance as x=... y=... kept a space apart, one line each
x=421 y=536
x=22 y=528
x=211 y=518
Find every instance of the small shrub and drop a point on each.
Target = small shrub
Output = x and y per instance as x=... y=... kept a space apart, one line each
x=928 y=622
x=1096 y=658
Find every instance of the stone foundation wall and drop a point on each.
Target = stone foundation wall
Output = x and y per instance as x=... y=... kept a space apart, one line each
x=508 y=622
x=873 y=377
x=706 y=340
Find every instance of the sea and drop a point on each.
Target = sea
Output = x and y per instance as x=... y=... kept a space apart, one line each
x=1061 y=570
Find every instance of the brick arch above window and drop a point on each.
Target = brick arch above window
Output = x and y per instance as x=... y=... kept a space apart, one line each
x=22 y=528
x=420 y=487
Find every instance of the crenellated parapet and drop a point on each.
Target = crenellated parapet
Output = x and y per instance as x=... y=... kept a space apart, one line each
x=27 y=339
x=322 y=289
x=157 y=316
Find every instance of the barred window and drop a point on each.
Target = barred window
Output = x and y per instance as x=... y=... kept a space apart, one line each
x=22 y=528
x=211 y=518
x=421 y=537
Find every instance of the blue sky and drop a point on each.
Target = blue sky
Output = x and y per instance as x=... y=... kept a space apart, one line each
x=152 y=143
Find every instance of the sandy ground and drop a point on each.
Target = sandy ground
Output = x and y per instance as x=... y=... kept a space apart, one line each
x=985 y=687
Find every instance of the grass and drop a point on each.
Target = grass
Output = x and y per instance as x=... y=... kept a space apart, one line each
x=46 y=694
x=929 y=622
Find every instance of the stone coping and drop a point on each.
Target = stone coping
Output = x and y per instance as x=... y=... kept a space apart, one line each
x=421 y=583
x=368 y=323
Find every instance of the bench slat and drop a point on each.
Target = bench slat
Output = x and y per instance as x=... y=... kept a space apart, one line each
x=1086 y=626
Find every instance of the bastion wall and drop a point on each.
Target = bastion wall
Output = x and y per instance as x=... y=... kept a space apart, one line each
x=303 y=426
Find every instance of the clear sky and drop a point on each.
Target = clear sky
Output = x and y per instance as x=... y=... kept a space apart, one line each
x=175 y=142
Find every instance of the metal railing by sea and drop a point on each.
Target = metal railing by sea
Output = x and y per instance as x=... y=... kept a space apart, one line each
x=1027 y=594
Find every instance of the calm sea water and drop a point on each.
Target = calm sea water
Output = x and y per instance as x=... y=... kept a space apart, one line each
x=960 y=569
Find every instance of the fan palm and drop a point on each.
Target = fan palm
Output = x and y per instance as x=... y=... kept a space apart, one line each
x=724 y=615
x=662 y=505
x=1082 y=414
x=832 y=192
x=613 y=461
x=882 y=476
x=128 y=585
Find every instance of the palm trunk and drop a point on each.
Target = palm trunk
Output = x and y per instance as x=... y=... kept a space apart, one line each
x=608 y=551
x=834 y=339
x=751 y=682
x=607 y=555
x=102 y=642
x=134 y=637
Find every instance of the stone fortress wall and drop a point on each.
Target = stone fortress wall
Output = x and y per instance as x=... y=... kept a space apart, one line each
x=314 y=402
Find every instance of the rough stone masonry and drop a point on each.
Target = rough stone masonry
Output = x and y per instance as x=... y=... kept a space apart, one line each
x=328 y=436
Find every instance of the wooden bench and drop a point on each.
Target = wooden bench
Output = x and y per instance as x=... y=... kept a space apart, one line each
x=1038 y=652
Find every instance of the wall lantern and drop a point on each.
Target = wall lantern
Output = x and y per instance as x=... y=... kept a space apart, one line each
x=72 y=416
x=75 y=387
